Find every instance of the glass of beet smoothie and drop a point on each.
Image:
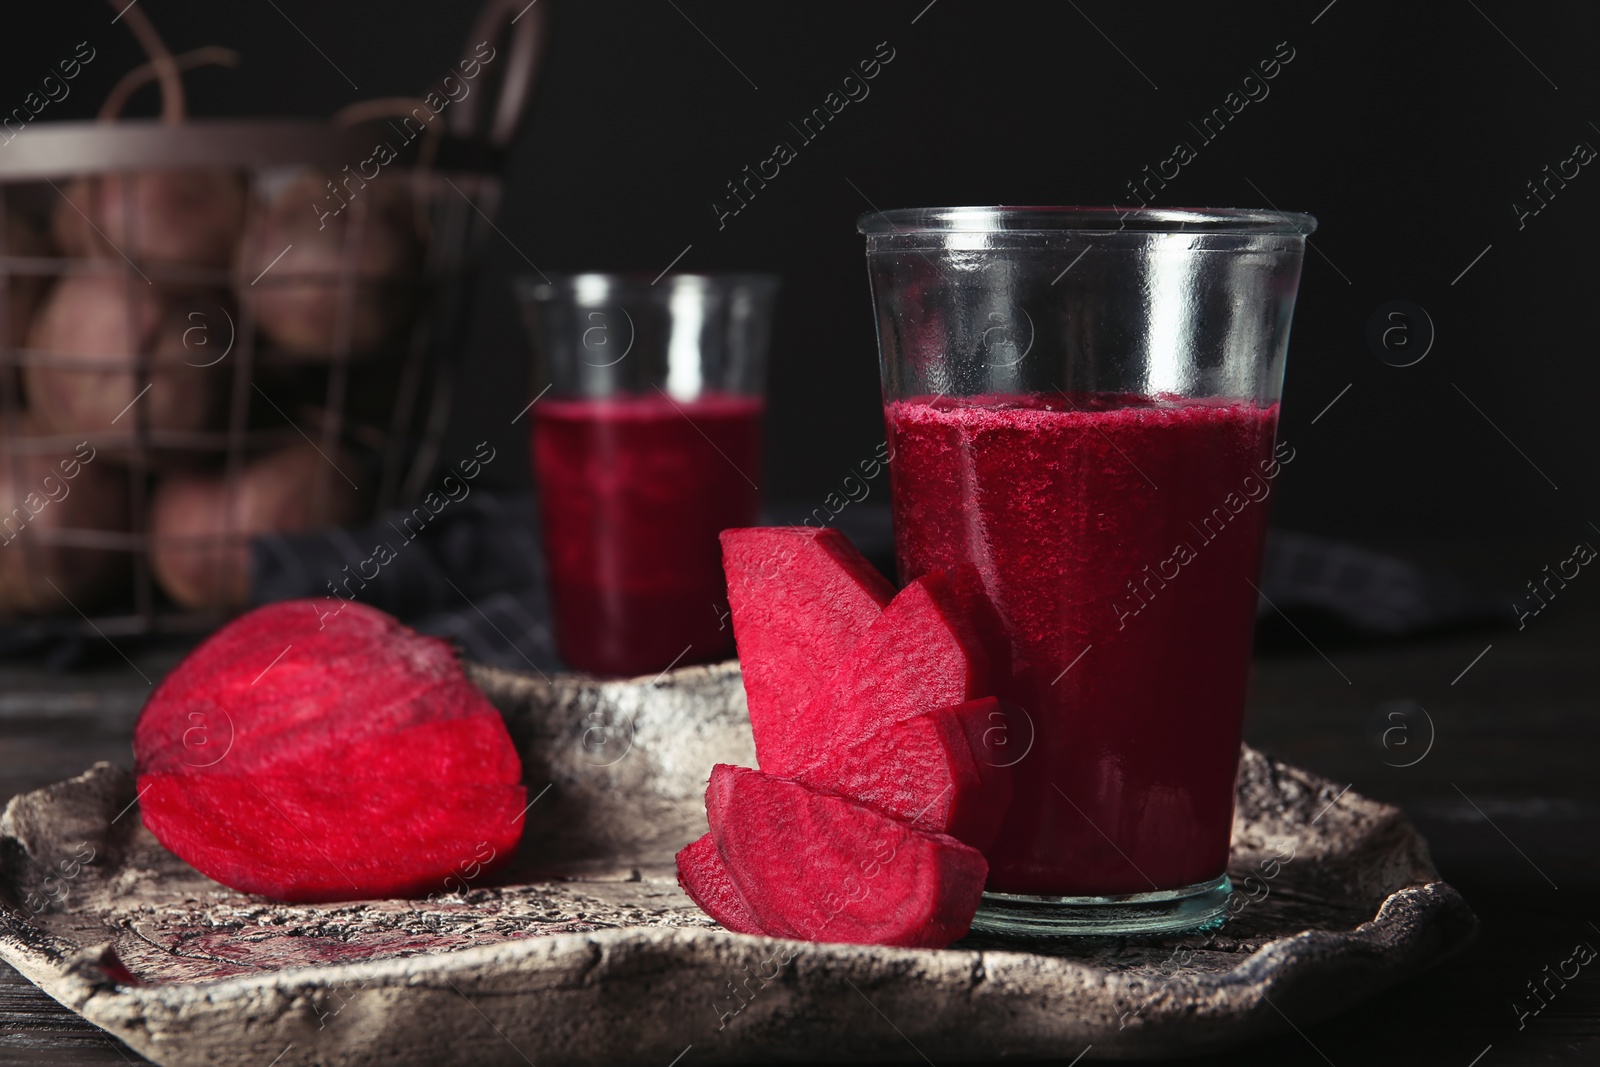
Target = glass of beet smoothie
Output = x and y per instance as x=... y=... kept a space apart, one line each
x=1082 y=407
x=646 y=444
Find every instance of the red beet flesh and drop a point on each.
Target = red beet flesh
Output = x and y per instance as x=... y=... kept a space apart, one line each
x=918 y=655
x=886 y=882
x=704 y=876
x=923 y=770
x=871 y=706
x=934 y=781
x=313 y=751
x=801 y=600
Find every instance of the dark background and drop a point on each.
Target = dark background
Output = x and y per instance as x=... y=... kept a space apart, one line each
x=1407 y=130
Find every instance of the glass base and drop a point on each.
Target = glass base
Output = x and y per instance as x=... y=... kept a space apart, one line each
x=1193 y=907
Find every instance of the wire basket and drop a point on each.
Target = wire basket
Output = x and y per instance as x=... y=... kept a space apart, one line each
x=176 y=378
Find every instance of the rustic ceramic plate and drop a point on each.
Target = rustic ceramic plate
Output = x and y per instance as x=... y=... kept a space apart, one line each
x=586 y=952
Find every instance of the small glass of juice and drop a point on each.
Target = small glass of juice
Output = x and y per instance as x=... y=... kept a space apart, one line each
x=1082 y=407
x=646 y=437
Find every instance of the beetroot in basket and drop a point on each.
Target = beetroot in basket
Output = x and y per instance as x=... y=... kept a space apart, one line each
x=298 y=302
x=170 y=280
x=44 y=493
x=200 y=530
x=191 y=217
x=86 y=320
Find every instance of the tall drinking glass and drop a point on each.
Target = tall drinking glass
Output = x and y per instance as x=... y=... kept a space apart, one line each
x=1082 y=405
x=646 y=444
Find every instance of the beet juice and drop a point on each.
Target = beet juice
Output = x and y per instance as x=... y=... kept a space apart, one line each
x=1117 y=539
x=633 y=492
x=1082 y=403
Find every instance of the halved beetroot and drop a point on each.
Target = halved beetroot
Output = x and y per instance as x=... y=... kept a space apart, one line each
x=923 y=770
x=309 y=752
x=704 y=876
x=920 y=654
x=801 y=599
x=816 y=866
x=290 y=836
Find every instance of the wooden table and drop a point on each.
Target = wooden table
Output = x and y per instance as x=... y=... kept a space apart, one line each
x=1508 y=796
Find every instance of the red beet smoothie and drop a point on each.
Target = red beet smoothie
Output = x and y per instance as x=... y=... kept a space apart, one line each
x=1118 y=539
x=634 y=491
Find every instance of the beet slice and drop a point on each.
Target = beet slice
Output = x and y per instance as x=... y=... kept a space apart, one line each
x=867 y=704
x=816 y=866
x=801 y=599
x=319 y=750
x=974 y=604
x=978 y=823
x=924 y=770
x=704 y=876
x=920 y=654
x=979 y=818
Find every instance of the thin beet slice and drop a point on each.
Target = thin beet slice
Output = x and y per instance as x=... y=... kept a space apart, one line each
x=978 y=821
x=816 y=866
x=313 y=750
x=920 y=654
x=801 y=600
x=923 y=770
x=975 y=605
x=704 y=876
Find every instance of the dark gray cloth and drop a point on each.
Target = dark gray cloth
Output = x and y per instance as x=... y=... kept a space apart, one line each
x=1368 y=592
x=473 y=574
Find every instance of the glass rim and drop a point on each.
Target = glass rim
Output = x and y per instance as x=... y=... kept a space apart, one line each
x=1048 y=219
x=531 y=286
